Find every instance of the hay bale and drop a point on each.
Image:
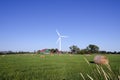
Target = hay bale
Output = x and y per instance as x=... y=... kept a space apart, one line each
x=51 y=54
x=42 y=56
x=88 y=55
x=32 y=54
x=70 y=55
x=3 y=55
x=99 y=59
x=59 y=54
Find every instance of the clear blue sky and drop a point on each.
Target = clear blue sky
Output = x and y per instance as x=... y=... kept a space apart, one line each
x=28 y=25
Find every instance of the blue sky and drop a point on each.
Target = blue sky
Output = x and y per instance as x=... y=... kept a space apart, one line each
x=28 y=25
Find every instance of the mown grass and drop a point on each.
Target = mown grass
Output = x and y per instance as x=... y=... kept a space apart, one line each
x=57 y=67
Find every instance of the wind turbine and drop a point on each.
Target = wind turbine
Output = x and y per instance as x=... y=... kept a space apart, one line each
x=59 y=39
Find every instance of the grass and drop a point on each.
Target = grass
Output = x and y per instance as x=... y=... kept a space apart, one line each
x=57 y=67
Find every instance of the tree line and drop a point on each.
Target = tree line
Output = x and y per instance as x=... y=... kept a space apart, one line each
x=74 y=49
x=90 y=49
x=12 y=52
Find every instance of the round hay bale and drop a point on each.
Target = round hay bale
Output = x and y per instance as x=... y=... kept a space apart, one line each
x=88 y=55
x=51 y=54
x=32 y=54
x=59 y=54
x=3 y=55
x=42 y=56
x=99 y=59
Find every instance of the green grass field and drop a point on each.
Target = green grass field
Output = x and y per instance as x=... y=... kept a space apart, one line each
x=57 y=67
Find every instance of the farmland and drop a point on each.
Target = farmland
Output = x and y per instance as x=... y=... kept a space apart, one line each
x=50 y=67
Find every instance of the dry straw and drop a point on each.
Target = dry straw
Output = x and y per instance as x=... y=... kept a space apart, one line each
x=82 y=76
x=101 y=72
x=90 y=77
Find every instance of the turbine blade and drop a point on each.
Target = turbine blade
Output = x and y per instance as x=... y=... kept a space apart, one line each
x=57 y=40
x=58 y=33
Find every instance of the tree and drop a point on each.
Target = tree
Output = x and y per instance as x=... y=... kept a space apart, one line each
x=83 y=51
x=54 y=50
x=74 y=49
x=93 y=48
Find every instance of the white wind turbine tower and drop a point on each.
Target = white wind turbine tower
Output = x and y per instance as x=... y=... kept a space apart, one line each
x=59 y=39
